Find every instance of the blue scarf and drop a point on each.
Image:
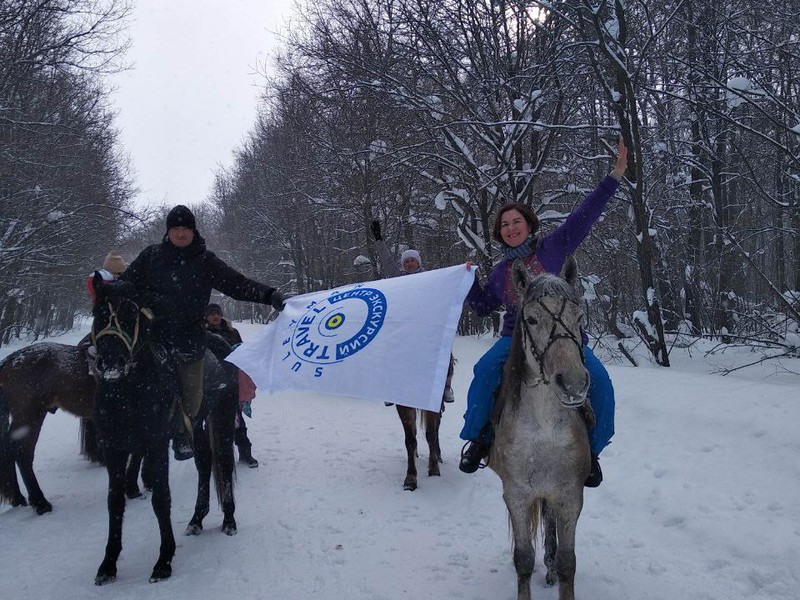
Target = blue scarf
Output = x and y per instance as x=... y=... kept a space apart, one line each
x=524 y=250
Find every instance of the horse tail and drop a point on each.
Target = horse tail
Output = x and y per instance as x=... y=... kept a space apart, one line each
x=90 y=441
x=536 y=512
x=7 y=466
x=217 y=444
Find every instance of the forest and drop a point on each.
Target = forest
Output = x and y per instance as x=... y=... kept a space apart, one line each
x=428 y=116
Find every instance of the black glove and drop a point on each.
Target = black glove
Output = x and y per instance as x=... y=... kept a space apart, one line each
x=277 y=301
x=376 y=230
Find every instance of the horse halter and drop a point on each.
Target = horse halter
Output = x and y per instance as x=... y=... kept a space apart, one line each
x=553 y=337
x=114 y=328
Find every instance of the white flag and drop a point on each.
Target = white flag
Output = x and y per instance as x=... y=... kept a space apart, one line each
x=387 y=340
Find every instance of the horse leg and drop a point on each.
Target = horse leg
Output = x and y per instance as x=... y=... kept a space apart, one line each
x=24 y=450
x=202 y=461
x=116 y=461
x=550 y=543
x=408 y=417
x=567 y=513
x=432 y=421
x=523 y=517
x=132 y=476
x=162 y=502
x=9 y=486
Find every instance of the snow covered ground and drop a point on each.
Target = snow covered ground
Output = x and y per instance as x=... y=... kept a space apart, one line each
x=701 y=500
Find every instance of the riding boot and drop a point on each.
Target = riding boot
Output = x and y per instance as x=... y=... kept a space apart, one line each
x=595 y=475
x=449 y=396
x=472 y=455
x=182 y=446
x=246 y=456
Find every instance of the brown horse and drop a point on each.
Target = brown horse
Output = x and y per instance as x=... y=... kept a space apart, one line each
x=430 y=422
x=34 y=381
x=541 y=446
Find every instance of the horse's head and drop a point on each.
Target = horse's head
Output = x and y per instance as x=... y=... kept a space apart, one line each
x=550 y=327
x=118 y=327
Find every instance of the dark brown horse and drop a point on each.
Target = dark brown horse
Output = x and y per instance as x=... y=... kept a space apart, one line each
x=430 y=422
x=136 y=392
x=34 y=381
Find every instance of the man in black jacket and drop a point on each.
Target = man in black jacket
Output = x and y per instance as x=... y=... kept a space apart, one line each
x=176 y=278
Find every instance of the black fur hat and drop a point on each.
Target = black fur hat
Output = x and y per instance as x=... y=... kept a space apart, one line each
x=213 y=308
x=181 y=216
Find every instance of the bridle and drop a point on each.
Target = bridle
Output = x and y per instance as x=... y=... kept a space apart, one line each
x=553 y=337
x=114 y=328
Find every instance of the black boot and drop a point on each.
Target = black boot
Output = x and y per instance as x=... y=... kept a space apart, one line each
x=245 y=456
x=182 y=446
x=595 y=475
x=472 y=455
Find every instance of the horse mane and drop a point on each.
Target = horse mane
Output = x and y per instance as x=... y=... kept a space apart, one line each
x=542 y=286
x=113 y=291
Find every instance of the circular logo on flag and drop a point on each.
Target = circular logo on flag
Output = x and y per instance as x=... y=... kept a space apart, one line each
x=338 y=327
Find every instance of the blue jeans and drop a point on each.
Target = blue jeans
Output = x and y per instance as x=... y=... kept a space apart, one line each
x=487 y=374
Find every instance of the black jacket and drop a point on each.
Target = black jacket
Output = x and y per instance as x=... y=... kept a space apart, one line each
x=229 y=333
x=176 y=285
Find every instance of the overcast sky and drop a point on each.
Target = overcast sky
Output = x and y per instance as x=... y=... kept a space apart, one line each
x=191 y=95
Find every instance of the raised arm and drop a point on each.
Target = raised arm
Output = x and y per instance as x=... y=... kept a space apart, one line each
x=555 y=247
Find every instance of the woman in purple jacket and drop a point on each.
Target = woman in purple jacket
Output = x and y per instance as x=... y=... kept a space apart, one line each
x=515 y=228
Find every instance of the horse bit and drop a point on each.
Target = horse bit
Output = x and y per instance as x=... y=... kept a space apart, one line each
x=557 y=320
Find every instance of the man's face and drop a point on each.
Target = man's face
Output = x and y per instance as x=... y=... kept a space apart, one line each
x=214 y=319
x=180 y=236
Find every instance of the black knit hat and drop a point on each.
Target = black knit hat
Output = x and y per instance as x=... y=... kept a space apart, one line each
x=180 y=216
x=213 y=308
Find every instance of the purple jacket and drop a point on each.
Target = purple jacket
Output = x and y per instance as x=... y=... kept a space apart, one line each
x=551 y=252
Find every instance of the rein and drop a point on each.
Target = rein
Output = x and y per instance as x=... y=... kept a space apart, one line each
x=114 y=328
x=567 y=334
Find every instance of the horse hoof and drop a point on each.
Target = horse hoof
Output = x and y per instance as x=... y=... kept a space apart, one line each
x=160 y=573
x=229 y=529
x=410 y=485
x=193 y=529
x=133 y=494
x=104 y=578
x=43 y=508
x=434 y=472
x=19 y=501
x=550 y=579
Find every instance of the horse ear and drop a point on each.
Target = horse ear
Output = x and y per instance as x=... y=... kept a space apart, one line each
x=520 y=276
x=569 y=272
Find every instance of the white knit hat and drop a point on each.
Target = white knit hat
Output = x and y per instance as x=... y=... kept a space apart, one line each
x=410 y=254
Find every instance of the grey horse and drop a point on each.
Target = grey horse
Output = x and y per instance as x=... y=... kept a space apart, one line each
x=541 y=447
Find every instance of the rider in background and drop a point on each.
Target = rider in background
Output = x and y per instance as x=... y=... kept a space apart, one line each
x=218 y=324
x=113 y=267
x=410 y=263
x=516 y=228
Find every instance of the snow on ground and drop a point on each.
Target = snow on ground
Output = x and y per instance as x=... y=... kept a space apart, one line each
x=700 y=501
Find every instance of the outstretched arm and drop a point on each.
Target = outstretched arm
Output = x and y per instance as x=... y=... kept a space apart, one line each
x=388 y=262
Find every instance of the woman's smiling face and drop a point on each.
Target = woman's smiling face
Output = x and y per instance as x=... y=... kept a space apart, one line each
x=514 y=229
